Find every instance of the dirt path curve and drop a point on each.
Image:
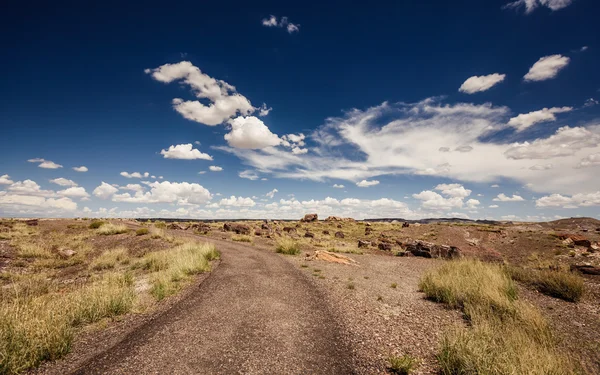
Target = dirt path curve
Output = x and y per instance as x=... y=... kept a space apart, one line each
x=255 y=314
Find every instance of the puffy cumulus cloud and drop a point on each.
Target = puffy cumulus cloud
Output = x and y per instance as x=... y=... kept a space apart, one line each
x=590 y=102
x=132 y=187
x=295 y=142
x=271 y=194
x=493 y=206
x=82 y=168
x=531 y=5
x=365 y=183
x=525 y=120
x=271 y=21
x=237 y=202
x=453 y=190
x=167 y=192
x=28 y=204
x=566 y=141
x=249 y=175
x=577 y=200
x=214 y=168
x=5 y=180
x=46 y=164
x=74 y=192
x=134 y=174
x=225 y=102
x=430 y=200
x=539 y=167
x=546 y=67
x=263 y=110
x=481 y=83
x=504 y=198
x=30 y=187
x=592 y=160
x=104 y=190
x=404 y=139
x=185 y=152
x=63 y=182
x=473 y=204
x=250 y=133
x=338 y=186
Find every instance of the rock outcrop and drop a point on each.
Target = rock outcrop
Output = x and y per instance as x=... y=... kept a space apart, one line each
x=309 y=218
x=431 y=250
x=339 y=235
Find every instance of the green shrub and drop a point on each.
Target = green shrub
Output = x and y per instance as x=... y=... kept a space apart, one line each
x=402 y=365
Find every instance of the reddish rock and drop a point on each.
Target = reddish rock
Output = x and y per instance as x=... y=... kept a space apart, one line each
x=309 y=235
x=237 y=228
x=326 y=232
x=405 y=225
x=587 y=269
x=289 y=230
x=385 y=246
x=368 y=231
x=309 y=218
x=431 y=250
x=258 y=232
x=175 y=226
x=339 y=235
x=578 y=240
x=363 y=244
x=339 y=226
x=32 y=222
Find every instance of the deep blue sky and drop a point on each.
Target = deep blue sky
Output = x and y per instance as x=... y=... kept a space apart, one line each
x=74 y=89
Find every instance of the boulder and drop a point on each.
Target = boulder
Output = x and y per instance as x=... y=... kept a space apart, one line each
x=66 y=253
x=339 y=235
x=200 y=227
x=237 y=228
x=258 y=232
x=339 y=226
x=385 y=246
x=363 y=244
x=326 y=232
x=568 y=242
x=32 y=222
x=368 y=231
x=227 y=227
x=431 y=250
x=595 y=247
x=289 y=230
x=265 y=226
x=586 y=268
x=368 y=224
x=578 y=240
x=309 y=218
x=333 y=218
x=309 y=235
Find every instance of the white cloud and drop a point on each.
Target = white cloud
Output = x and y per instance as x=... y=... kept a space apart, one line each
x=215 y=168
x=531 y=5
x=264 y=110
x=494 y=206
x=590 y=102
x=83 y=168
x=63 y=182
x=473 y=203
x=225 y=102
x=5 y=180
x=504 y=198
x=168 y=192
x=546 y=67
x=365 y=183
x=250 y=133
x=592 y=160
x=338 y=186
x=525 y=120
x=272 y=22
x=434 y=201
x=577 y=200
x=16 y=203
x=271 y=194
x=250 y=175
x=105 y=190
x=46 y=164
x=74 y=192
x=237 y=202
x=565 y=142
x=453 y=190
x=539 y=167
x=481 y=83
x=132 y=187
x=184 y=152
x=134 y=174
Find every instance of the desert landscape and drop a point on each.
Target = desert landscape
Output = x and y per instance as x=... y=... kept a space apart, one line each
x=308 y=296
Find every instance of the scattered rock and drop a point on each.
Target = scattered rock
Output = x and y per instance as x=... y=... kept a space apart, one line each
x=200 y=227
x=339 y=226
x=385 y=246
x=265 y=226
x=289 y=230
x=333 y=218
x=237 y=228
x=309 y=218
x=326 y=232
x=66 y=253
x=368 y=231
x=405 y=225
x=368 y=224
x=258 y=232
x=339 y=235
x=309 y=235
x=431 y=250
x=586 y=268
x=175 y=226
x=568 y=242
x=595 y=247
x=577 y=239
x=328 y=256
x=363 y=244
x=32 y=222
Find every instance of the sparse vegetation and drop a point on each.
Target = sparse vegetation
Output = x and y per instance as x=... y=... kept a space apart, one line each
x=33 y=250
x=287 y=246
x=110 y=229
x=142 y=231
x=96 y=224
x=402 y=365
x=555 y=283
x=394 y=285
x=350 y=285
x=242 y=238
x=109 y=259
x=506 y=336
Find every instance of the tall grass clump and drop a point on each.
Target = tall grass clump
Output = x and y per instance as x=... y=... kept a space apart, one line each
x=172 y=267
x=555 y=283
x=142 y=231
x=287 y=246
x=505 y=335
x=110 y=228
x=109 y=259
x=242 y=238
x=33 y=250
x=96 y=224
x=34 y=329
x=402 y=365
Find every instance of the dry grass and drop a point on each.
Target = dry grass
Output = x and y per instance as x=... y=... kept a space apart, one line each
x=402 y=365
x=142 y=231
x=287 y=246
x=109 y=259
x=555 y=283
x=161 y=233
x=33 y=250
x=110 y=229
x=506 y=336
x=96 y=224
x=242 y=238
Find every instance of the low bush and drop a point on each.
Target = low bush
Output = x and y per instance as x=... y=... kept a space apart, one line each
x=109 y=229
x=96 y=224
x=287 y=246
x=142 y=231
x=402 y=365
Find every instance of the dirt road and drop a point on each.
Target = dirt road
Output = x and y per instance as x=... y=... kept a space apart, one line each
x=255 y=314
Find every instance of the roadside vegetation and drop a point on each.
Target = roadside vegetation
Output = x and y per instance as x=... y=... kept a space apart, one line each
x=402 y=365
x=42 y=310
x=504 y=335
x=287 y=246
x=555 y=283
